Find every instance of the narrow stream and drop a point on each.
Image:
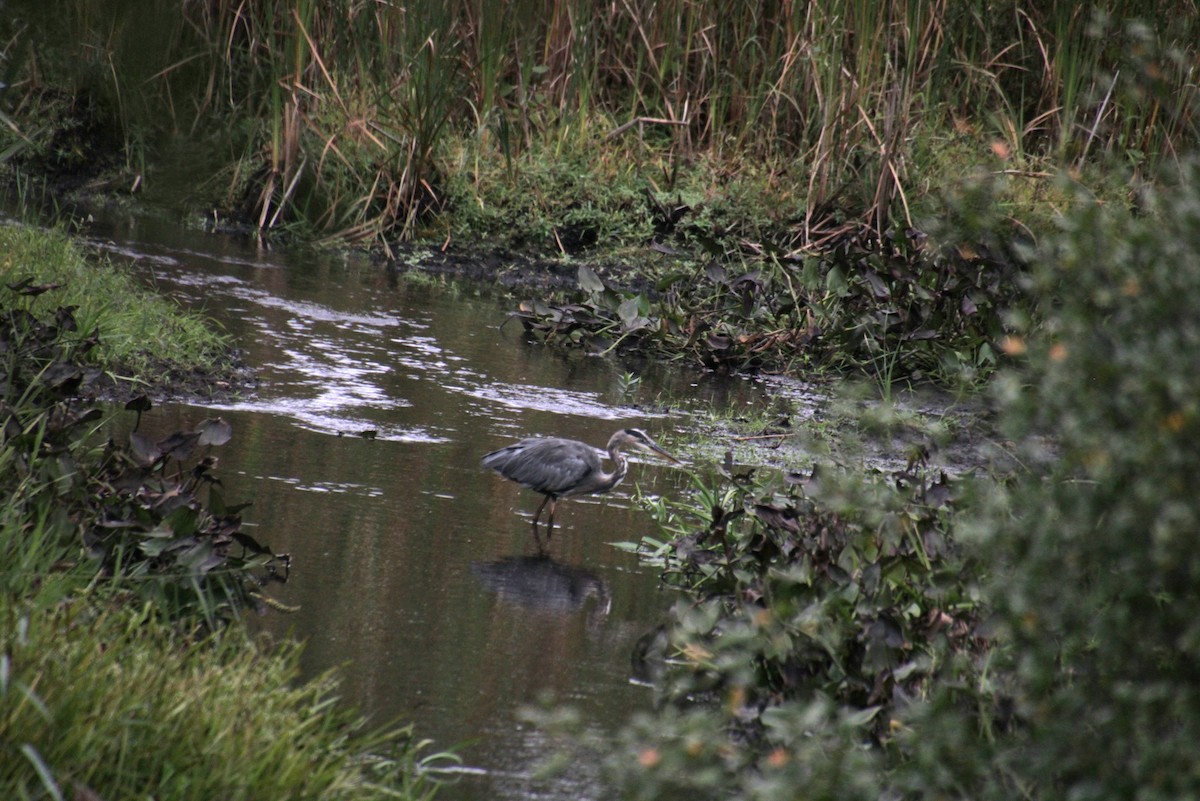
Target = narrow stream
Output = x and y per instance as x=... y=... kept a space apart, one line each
x=414 y=569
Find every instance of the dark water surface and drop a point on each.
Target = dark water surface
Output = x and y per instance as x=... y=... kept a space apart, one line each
x=413 y=568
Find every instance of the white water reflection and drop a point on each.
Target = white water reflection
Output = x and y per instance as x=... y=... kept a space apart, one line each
x=553 y=400
x=333 y=370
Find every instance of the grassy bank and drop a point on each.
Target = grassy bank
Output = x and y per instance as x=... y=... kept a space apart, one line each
x=140 y=335
x=123 y=670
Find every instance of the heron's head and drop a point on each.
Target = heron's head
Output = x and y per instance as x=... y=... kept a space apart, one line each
x=636 y=438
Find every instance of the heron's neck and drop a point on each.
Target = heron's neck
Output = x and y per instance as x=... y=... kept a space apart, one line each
x=620 y=468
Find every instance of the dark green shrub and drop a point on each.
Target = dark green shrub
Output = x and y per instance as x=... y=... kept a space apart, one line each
x=821 y=609
x=887 y=306
x=1078 y=578
x=1098 y=591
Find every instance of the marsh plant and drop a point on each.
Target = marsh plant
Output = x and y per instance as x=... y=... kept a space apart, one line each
x=364 y=120
x=145 y=514
x=820 y=608
x=771 y=183
x=135 y=327
x=894 y=308
x=627 y=385
x=1033 y=636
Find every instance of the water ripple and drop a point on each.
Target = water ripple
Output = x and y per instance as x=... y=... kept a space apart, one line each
x=557 y=401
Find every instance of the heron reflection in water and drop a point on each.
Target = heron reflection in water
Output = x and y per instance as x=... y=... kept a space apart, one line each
x=560 y=468
x=540 y=584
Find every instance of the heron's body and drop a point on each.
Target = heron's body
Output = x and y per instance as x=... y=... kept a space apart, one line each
x=560 y=468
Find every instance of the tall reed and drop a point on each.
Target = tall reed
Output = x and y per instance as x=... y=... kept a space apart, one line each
x=339 y=112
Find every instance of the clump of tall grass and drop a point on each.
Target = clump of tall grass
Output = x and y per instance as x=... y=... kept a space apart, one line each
x=338 y=115
x=110 y=703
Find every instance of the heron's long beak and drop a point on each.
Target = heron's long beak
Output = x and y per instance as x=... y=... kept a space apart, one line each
x=657 y=449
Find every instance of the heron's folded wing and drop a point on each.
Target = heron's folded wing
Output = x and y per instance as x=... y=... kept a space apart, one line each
x=554 y=466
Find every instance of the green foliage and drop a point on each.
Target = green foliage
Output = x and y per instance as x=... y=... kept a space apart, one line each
x=561 y=196
x=107 y=703
x=116 y=560
x=139 y=514
x=820 y=609
x=1098 y=599
x=1064 y=662
x=342 y=116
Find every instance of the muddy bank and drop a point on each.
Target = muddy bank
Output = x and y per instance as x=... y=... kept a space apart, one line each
x=167 y=382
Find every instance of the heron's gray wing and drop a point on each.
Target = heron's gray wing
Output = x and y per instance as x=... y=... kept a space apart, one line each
x=498 y=458
x=551 y=465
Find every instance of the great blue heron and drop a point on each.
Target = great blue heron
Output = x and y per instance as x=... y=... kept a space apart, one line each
x=559 y=468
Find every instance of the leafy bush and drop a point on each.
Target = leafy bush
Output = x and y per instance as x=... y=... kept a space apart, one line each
x=893 y=307
x=1098 y=598
x=821 y=609
x=139 y=511
x=1075 y=584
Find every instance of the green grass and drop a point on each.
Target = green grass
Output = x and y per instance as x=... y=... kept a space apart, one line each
x=104 y=699
x=139 y=329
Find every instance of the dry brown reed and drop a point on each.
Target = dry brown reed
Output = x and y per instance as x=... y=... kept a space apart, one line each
x=341 y=109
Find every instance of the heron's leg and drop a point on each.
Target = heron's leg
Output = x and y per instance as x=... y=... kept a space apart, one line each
x=537 y=538
x=538 y=514
x=550 y=523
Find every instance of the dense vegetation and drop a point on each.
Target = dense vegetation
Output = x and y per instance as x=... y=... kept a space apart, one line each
x=568 y=123
x=124 y=567
x=915 y=190
x=1029 y=635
